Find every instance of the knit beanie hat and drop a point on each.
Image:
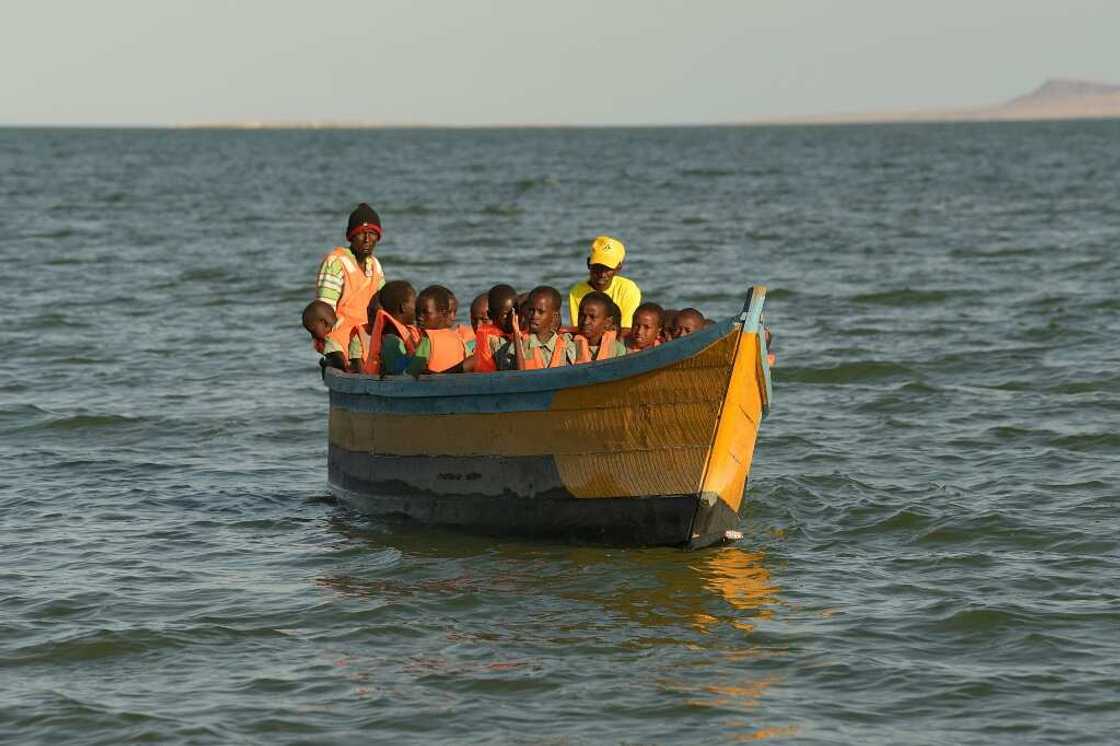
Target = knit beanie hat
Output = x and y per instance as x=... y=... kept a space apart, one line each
x=364 y=219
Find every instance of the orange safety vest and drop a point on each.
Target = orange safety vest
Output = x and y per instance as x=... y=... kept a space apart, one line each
x=606 y=347
x=321 y=347
x=465 y=332
x=357 y=291
x=409 y=334
x=447 y=349
x=536 y=362
x=483 y=355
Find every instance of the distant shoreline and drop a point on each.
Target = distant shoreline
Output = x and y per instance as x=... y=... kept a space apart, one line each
x=1055 y=100
x=823 y=121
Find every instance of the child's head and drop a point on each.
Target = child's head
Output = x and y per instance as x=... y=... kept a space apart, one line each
x=646 y=327
x=543 y=311
x=398 y=299
x=434 y=308
x=594 y=316
x=604 y=261
x=668 y=322
x=521 y=303
x=480 y=310
x=688 y=320
x=454 y=304
x=499 y=303
x=318 y=319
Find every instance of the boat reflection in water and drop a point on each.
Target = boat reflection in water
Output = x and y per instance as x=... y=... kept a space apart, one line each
x=699 y=634
x=703 y=618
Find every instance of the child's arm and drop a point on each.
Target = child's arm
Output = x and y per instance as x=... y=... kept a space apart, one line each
x=419 y=363
x=394 y=358
x=334 y=360
x=518 y=346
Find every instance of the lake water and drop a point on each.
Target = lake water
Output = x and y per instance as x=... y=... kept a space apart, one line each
x=931 y=548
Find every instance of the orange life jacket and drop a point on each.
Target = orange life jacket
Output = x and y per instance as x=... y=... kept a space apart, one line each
x=465 y=332
x=606 y=347
x=357 y=291
x=483 y=355
x=536 y=362
x=447 y=349
x=320 y=346
x=409 y=334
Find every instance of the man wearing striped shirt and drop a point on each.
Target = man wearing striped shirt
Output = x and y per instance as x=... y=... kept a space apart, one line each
x=348 y=279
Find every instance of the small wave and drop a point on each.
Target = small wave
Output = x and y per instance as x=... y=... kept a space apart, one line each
x=693 y=220
x=50 y=320
x=982 y=620
x=1010 y=433
x=526 y=185
x=22 y=411
x=1111 y=384
x=501 y=210
x=709 y=173
x=203 y=274
x=414 y=209
x=905 y=297
x=417 y=261
x=97 y=645
x=847 y=373
x=289 y=295
x=780 y=293
x=87 y=422
x=1089 y=442
x=59 y=233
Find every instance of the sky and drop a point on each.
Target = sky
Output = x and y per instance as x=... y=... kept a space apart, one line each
x=485 y=62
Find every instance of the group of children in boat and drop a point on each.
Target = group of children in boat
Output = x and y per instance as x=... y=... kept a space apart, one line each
x=362 y=324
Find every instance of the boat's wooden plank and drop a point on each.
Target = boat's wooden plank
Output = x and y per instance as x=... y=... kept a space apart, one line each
x=527 y=433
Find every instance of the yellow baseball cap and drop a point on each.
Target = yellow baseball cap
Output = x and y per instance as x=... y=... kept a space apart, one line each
x=607 y=251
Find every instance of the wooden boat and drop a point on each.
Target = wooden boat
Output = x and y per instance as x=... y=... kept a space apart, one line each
x=653 y=448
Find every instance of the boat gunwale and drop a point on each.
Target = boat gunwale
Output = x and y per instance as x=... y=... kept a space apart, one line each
x=552 y=379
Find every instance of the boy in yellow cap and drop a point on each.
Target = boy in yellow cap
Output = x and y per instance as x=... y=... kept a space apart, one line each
x=604 y=262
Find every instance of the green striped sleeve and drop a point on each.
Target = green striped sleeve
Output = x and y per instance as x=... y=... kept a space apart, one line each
x=328 y=285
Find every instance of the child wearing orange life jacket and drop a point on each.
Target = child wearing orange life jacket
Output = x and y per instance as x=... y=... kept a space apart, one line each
x=466 y=333
x=441 y=349
x=498 y=330
x=543 y=347
x=393 y=332
x=646 y=330
x=598 y=319
x=319 y=319
x=688 y=321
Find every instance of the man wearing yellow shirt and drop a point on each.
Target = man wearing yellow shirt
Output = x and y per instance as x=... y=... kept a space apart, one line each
x=603 y=265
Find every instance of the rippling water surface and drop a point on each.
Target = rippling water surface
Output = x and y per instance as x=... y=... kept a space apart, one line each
x=931 y=549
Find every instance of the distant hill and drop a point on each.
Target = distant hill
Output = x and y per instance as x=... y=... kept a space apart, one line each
x=1059 y=98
